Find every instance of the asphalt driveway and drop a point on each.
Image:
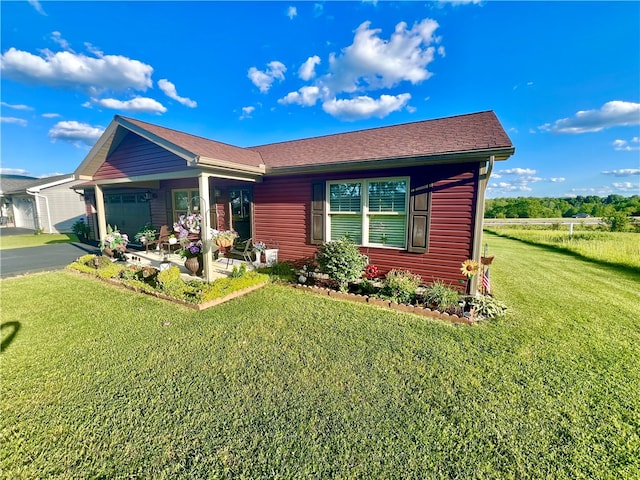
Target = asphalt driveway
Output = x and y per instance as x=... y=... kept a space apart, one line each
x=20 y=261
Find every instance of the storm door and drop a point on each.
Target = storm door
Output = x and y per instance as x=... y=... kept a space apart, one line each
x=240 y=205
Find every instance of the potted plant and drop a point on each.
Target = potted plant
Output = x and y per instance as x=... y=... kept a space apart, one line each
x=114 y=243
x=224 y=238
x=81 y=229
x=188 y=224
x=146 y=234
x=192 y=253
x=258 y=248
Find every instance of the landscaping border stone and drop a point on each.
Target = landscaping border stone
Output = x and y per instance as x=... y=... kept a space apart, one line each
x=193 y=306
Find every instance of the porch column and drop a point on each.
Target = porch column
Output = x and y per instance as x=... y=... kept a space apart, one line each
x=205 y=233
x=100 y=210
x=483 y=181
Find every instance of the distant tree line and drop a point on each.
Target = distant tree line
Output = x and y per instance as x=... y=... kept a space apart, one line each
x=548 y=207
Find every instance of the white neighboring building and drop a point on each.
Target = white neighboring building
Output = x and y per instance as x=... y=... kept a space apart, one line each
x=49 y=204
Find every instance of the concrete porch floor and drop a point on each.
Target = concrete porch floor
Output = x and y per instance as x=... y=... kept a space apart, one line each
x=154 y=258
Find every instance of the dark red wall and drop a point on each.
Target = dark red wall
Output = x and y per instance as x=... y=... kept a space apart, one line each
x=137 y=156
x=282 y=216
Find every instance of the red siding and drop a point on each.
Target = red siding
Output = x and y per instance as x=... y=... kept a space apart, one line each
x=282 y=219
x=137 y=156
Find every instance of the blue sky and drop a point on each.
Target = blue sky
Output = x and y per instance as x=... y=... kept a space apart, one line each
x=563 y=78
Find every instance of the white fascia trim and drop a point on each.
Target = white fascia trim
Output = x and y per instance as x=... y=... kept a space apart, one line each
x=106 y=136
x=52 y=184
x=215 y=162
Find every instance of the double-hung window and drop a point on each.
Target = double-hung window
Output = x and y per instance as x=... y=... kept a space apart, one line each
x=370 y=212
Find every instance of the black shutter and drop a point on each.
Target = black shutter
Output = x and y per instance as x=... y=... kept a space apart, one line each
x=419 y=219
x=317 y=213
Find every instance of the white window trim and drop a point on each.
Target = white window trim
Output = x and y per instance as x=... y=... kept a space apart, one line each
x=364 y=208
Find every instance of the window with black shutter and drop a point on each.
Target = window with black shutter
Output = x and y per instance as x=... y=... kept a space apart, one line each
x=419 y=218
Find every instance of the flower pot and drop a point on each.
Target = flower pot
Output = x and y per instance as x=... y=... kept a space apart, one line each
x=224 y=243
x=195 y=265
x=107 y=252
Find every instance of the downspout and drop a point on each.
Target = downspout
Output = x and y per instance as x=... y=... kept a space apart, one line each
x=36 y=195
x=483 y=181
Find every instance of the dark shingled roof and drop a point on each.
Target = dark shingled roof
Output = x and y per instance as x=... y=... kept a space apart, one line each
x=470 y=133
x=463 y=133
x=201 y=146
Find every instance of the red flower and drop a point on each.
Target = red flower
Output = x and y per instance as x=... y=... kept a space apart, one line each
x=371 y=271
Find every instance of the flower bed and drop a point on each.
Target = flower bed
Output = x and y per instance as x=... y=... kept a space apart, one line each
x=379 y=302
x=169 y=285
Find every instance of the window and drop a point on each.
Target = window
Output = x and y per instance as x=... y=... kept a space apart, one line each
x=370 y=212
x=185 y=202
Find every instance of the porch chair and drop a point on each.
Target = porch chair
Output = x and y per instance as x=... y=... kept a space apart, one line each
x=243 y=251
x=163 y=238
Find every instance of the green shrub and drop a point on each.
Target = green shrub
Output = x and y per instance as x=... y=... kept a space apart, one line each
x=442 y=296
x=400 y=286
x=342 y=261
x=80 y=228
x=238 y=272
x=485 y=306
x=617 y=222
x=170 y=282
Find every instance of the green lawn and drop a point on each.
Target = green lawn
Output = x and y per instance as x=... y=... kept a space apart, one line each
x=30 y=240
x=282 y=384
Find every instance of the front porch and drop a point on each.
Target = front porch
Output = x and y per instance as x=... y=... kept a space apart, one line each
x=221 y=267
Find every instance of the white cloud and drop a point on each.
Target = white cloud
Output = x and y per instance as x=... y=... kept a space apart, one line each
x=371 y=62
x=518 y=171
x=169 y=90
x=626 y=186
x=623 y=145
x=612 y=114
x=57 y=37
x=75 y=132
x=15 y=171
x=305 y=96
x=51 y=115
x=17 y=121
x=318 y=9
x=505 y=187
x=365 y=107
x=307 y=70
x=263 y=80
x=622 y=172
x=557 y=179
x=36 y=4
x=292 y=12
x=137 y=104
x=71 y=70
x=247 y=111
x=16 y=106
x=518 y=180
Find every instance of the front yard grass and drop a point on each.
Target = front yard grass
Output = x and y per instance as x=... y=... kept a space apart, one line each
x=100 y=382
x=21 y=241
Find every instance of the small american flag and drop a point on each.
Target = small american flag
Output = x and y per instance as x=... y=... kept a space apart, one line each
x=486 y=282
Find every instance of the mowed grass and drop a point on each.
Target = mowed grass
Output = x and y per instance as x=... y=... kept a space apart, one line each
x=282 y=384
x=21 y=241
x=617 y=248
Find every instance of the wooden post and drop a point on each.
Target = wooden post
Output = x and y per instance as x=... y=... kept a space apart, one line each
x=100 y=210
x=205 y=233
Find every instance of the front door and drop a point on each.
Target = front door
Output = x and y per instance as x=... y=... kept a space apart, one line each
x=240 y=205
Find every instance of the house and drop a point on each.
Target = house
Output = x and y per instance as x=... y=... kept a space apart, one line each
x=48 y=204
x=411 y=195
